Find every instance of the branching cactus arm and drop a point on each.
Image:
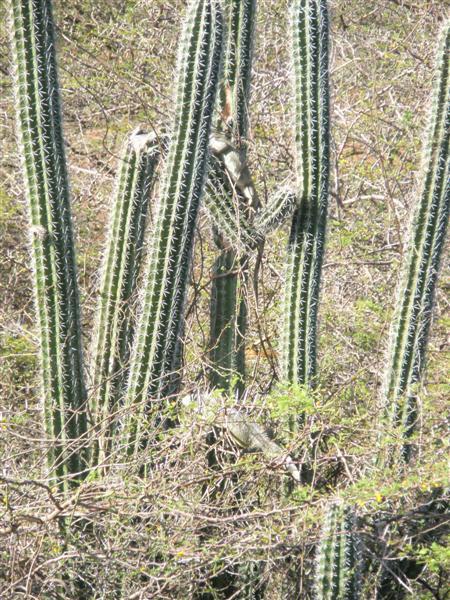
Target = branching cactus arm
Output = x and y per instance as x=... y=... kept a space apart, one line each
x=224 y=187
x=276 y=212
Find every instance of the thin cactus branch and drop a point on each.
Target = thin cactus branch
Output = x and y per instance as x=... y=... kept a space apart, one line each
x=307 y=238
x=230 y=223
x=236 y=231
x=415 y=300
x=275 y=213
x=122 y=263
x=237 y=72
x=161 y=319
x=54 y=265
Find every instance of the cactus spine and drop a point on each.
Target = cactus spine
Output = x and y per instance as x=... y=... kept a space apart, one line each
x=228 y=312
x=415 y=299
x=307 y=237
x=155 y=351
x=337 y=571
x=114 y=328
x=236 y=230
x=54 y=265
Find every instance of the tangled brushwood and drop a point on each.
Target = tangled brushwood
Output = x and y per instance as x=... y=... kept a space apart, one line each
x=166 y=481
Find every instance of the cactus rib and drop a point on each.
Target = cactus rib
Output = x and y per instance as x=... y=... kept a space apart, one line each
x=307 y=238
x=160 y=321
x=338 y=560
x=54 y=265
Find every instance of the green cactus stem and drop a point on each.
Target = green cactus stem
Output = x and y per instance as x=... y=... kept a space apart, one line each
x=307 y=237
x=232 y=201
x=122 y=263
x=156 y=348
x=338 y=557
x=415 y=299
x=227 y=328
x=55 y=281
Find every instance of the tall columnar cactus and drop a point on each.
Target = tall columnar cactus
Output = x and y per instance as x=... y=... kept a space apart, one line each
x=122 y=263
x=156 y=348
x=406 y=357
x=47 y=190
x=227 y=202
x=415 y=300
x=338 y=557
x=228 y=312
x=307 y=237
